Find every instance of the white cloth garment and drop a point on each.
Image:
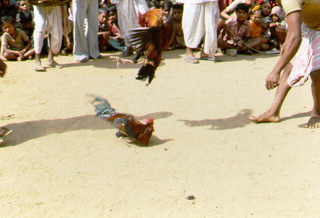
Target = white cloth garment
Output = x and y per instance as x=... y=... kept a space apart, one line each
x=128 y=16
x=201 y=20
x=48 y=19
x=85 y=37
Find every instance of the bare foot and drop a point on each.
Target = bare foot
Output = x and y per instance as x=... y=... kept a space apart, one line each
x=38 y=67
x=266 y=117
x=313 y=123
x=54 y=64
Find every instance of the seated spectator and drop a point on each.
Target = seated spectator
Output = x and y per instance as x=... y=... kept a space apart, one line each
x=166 y=7
x=178 y=41
x=24 y=18
x=277 y=26
x=15 y=44
x=229 y=11
x=116 y=40
x=103 y=34
x=235 y=36
x=153 y=5
x=257 y=31
x=8 y=9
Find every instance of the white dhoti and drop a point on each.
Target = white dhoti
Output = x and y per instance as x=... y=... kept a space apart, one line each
x=48 y=19
x=128 y=16
x=201 y=20
x=86 y=42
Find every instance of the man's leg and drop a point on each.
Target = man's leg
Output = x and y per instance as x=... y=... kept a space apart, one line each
x=314 y=121
x=273 y=113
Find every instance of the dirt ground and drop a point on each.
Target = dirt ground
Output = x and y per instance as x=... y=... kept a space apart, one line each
x=62 y=161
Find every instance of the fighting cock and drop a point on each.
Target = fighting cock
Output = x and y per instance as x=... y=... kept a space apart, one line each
x=127 y=125
x=156 y=35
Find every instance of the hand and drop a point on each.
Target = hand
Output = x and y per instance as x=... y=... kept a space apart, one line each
x=272 y=80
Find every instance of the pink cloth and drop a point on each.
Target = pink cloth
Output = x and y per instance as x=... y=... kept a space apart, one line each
x=307 y=58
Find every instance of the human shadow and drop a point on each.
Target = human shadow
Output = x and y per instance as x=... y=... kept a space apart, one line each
x=241 y=119
x=303 y=114
x=28 y=130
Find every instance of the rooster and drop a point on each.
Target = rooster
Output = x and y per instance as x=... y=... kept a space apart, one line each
x=127 y=125
x=156 y=35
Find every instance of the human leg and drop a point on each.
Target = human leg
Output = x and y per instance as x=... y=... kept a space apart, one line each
x=211 y=17
x=314 y=121
x=193 y=27
x=92 y=30
x=38 y=35
x=273 y=113
x=80 y=46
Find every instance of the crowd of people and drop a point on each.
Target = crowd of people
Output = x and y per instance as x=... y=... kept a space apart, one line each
x=87 y=28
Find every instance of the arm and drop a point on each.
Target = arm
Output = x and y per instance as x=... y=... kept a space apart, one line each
x=23 y=51
x=224 y=14
x=289 y=49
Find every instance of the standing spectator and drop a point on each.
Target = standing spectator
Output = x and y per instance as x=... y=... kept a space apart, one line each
x=128 y=19
x=85 y=37
x=200 y=20
x=50 y=19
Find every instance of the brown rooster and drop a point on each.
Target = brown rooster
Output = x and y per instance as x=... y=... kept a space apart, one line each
x=156 y=36
x=127 y=125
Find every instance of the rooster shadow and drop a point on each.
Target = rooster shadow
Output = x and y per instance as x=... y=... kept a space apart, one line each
x=241 y=119
x=29 y=130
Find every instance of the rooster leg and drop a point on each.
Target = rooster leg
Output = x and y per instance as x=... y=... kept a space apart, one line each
x=122 y=138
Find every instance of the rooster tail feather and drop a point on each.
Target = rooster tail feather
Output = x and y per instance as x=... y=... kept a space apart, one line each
x=103 y=108
x=146 y=72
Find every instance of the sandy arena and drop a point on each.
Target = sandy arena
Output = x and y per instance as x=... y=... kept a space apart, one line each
x=62 y=161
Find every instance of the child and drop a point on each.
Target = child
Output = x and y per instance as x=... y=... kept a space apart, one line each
x=116 y=40
x=278 y=27
x=103 y=34
x=153 y=5
x=235 y=36
x=13 y=41
x=178 y=42
x=256 y=30
x=24 y=18
x=166 y=7
x=8 y=9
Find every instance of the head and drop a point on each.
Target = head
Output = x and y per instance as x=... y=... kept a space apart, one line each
x=276 y=14
x=148 y=121
x=166 y=7
x=103 y=15
x=113 y=16
x=24 y=6
x=8 y=24
x=177 y=10
x=265 y=8
x=255 y=16
x=153 y=5
x=242 y=12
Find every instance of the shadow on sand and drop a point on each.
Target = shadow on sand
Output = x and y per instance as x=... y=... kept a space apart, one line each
x=239 y=120
x=28 y=130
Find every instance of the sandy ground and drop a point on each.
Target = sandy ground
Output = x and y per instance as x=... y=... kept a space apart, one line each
x=61 y=161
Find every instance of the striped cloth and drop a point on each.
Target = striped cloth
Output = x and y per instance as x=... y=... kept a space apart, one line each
x=307 y=58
